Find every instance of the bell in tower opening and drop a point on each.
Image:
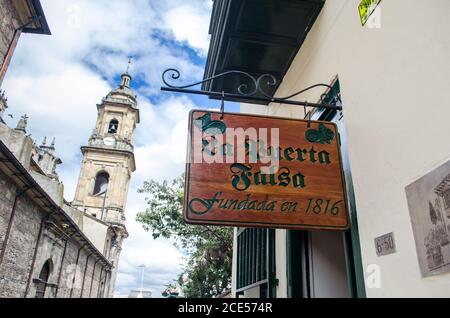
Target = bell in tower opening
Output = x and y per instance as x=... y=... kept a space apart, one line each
x=113 y=126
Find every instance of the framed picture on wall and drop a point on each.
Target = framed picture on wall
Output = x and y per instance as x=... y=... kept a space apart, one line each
x=429 y=207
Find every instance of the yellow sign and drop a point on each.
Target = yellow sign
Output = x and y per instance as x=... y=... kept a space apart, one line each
x=366 y=8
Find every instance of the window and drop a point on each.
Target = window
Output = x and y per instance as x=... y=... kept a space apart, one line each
x=254 y=253
x=43 y=280
x=101 y=183
x=251 y=257
x=113 y=126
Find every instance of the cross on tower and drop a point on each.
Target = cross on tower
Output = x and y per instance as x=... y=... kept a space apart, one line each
x=129 y=65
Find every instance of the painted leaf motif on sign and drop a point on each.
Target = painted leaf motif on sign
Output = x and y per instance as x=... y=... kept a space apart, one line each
x=322 y=136
x=212 y=127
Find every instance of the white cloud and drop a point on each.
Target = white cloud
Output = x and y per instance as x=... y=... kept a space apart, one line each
x=58 y=80
x=188 y=24
x=65 y=99
x=164 y=158
x=104 y=33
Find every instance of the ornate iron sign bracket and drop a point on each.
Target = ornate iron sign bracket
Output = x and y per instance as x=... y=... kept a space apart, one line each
x=245 y=91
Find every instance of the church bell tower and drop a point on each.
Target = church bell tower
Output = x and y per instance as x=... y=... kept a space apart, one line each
x=108 y=162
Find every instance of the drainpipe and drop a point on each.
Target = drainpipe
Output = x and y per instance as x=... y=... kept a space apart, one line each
x=9 y=54
x=76 y=267
x=38 y=241
x=62 y=263
x=105 y=193
x=84 y=275
x=92 y=279
x=10 y=223
x=100 y=283
x=12 y=47
x=107 y=277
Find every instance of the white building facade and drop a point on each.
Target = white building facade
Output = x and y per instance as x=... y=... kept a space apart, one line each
x=392 y=76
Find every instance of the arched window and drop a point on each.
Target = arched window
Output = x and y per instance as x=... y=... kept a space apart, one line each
x=113 y=126
x=101 y=183
x=43 y=280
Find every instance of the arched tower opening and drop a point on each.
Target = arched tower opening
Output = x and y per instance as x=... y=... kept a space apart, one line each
x=101 y=183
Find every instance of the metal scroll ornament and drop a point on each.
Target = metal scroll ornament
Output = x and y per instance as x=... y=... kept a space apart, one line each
x=242 y=89
x=256 y=86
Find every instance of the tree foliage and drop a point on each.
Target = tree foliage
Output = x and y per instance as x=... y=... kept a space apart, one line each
x=208 y=269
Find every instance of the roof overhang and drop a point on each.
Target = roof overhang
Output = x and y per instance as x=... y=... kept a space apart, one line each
x=32 y=15
x=258 y=37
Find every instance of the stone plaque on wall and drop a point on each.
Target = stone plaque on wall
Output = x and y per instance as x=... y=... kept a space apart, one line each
x=429 y=207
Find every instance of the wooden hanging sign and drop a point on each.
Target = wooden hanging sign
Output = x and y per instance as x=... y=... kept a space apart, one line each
x=256 y=171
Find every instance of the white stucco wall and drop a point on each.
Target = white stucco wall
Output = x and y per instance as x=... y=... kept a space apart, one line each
x=280 y=266
x=395 y=83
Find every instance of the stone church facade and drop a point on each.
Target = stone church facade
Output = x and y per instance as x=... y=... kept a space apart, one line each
x=49 y=247
x=57 y=249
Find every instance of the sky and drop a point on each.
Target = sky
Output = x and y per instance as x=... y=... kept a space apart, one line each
x=58 y=80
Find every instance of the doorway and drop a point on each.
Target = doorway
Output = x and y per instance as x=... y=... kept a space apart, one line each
x=43 y=280
x=327 y=264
